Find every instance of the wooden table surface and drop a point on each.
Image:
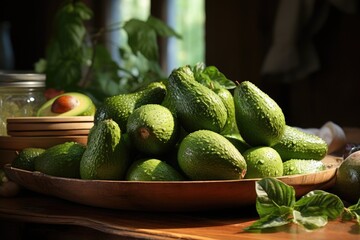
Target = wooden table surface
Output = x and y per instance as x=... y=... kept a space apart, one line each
x=31 y=208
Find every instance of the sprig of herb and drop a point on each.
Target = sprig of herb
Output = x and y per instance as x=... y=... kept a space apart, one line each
x=277 y=206
x=77 y=61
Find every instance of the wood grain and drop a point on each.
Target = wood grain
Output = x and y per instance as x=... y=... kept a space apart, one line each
x=221 y=225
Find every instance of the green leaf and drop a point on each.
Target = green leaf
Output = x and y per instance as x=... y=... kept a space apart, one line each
x=161 y=28
x=272 y=194
x=277 y=218
x=320 y=203
x=352 y=212
x=211 y=77
x=40 y=65
x=69 y=25
x=142 y=38
x=309 y=222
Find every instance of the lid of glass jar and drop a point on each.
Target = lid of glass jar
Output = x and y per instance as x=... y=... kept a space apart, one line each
x=22 y=79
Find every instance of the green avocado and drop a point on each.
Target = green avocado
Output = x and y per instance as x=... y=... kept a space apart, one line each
x=152 y=170
x=119 y=107
x=106 y=156
x=259 y=118
x=300 y=145
x=152 y=129
x=302 y=166
x=207 y=155
x=347 y=184
x=26 y=157
x=83 y=106
x=62 y=160
x=197 y=106
x=263 y=162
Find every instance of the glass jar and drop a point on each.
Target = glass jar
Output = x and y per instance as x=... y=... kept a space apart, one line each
x=21 y=95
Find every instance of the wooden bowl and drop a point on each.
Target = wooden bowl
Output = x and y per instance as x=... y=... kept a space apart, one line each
x=165 y=196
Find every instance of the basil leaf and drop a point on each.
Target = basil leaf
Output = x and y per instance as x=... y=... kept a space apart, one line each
x=215 y=75
x=277 y=218
x=272 y=194
x=352 y=212
x=211 y=77
x=309 y=222
x=320 y=203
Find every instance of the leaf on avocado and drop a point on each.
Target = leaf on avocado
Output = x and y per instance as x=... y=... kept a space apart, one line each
x=211 y=77
x=272 y=194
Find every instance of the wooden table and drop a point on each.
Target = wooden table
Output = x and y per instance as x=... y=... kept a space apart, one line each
x=31 y=215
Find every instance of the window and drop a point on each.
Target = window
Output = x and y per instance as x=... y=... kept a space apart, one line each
x=186 y=17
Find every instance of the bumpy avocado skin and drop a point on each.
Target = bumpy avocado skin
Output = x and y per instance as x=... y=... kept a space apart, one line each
x=300 y=145
x=26 y=157
x=62 y=160
x=153 y=129
x=259 y=118
x=230 y=130
x=302 y=166
x=106 y=156
x=197 y=106
x=119 y=107
x=207 y=155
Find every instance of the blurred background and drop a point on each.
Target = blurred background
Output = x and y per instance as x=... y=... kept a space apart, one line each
x=305 y=54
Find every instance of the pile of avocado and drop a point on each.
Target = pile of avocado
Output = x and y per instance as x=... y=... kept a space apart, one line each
x=180 y=129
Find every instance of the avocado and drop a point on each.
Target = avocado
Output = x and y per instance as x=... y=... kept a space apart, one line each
x=263 y=162
x=259 y=118
x=227 y=98
x=197 y=106
x=152 y=129
x=68 y=104
x=207 y=155
x=302 y=166
x=25 y=158
x=300 y=145
x=347 y=184
x=119 y=107
x=230 y=130
x=106 y=155
x=61 y=160
x=152 y=169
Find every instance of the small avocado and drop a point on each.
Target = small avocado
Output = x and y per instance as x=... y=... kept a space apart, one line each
x=25 y=158
x=263 y=162
x=106 y=156
x=207 y=155
x=259 y=118
x=302 y=166
x=197 y=106
x=152 y=129
x=68 y=104
x=347 y=184
x=152 y=169
x=61 y=160
x=119 y=107
x=298 y=144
